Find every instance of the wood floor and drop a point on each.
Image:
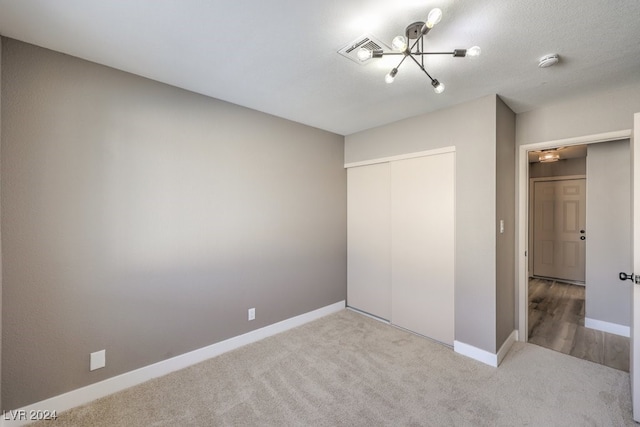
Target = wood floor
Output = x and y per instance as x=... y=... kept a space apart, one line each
x=556 y=321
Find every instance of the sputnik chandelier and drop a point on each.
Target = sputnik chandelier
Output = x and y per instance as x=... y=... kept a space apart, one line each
x=411 y=45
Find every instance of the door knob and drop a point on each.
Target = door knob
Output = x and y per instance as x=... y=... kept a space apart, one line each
x=582 y=237
x=581 y=231
x=625 y=276
x=633 y=277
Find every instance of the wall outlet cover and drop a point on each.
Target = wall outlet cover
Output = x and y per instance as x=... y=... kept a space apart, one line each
x=98 y=360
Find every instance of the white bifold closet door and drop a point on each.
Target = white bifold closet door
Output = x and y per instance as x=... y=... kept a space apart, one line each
x=401 y=243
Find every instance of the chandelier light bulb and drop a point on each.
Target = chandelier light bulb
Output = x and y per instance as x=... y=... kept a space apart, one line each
x=474 y=51
x=435 y=15
x=390 y=77
x=364 y=54
x=399 y=43
x=437 y=86
x=549 y=156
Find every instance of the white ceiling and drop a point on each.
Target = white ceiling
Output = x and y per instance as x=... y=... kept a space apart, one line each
x=280 y=56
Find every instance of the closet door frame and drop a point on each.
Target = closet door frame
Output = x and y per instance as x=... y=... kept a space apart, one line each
x=448 y=337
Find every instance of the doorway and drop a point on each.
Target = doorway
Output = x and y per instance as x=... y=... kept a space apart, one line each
x=524 y=216
x=589 y=323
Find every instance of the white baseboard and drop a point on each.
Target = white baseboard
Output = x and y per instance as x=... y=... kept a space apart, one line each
x=612 y=328
x=484 y=356
x=63 y=402
x=506 y=345
x=476 y=353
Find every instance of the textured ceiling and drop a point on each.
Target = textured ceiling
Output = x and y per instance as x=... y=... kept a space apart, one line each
x=280 y=56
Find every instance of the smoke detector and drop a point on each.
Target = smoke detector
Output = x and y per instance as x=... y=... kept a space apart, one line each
x=548 y=60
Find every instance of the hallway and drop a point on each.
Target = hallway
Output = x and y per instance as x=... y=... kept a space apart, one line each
x=556 y=321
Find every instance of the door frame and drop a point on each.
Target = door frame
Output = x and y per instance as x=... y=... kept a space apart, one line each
x=522 y=259
x=634 y=359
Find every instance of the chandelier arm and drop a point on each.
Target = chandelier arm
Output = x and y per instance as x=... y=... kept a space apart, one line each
x=401 y=61
x=422 y=68
x=433 y=53
x=417 y=53
x=414 y=44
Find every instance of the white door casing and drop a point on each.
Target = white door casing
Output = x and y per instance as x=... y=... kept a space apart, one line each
x=634 y=366
x=523 y=212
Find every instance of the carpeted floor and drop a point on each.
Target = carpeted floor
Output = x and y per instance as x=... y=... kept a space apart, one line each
x=350 y=370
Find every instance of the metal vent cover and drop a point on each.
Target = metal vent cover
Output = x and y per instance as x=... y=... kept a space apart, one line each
x=367 y=41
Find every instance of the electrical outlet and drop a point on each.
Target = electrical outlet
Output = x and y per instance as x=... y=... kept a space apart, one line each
x=98 y=360
x=252 y=314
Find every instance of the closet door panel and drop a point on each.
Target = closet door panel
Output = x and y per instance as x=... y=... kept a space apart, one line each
x=368 y=239
x=422 y=245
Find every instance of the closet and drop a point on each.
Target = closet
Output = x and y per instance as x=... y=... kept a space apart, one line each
x=400 y=231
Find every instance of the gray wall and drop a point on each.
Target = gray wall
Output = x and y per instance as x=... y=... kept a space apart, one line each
x=608 y=232
x=471 y=128
x=590 y=114
x=505 y=210
x=145 y=220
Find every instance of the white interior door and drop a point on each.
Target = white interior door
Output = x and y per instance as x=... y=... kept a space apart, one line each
x=369 y=239
x=559 y=229
x=422 y=245
x=635 y=300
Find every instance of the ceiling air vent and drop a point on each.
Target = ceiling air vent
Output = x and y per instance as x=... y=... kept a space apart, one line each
x=367 y=41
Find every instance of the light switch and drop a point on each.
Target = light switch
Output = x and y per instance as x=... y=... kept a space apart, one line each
x=502 y=226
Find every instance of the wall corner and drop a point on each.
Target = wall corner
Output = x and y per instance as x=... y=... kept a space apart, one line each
x=505 y=259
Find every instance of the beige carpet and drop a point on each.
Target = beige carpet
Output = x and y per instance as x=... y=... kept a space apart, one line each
x=346 y=369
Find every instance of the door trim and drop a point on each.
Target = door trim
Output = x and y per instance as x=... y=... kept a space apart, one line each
x=433 y=152
x=522 y=269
